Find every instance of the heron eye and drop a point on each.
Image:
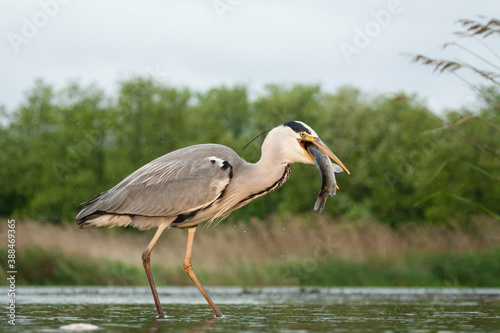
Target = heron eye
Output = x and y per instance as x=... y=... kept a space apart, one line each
x=303 y=134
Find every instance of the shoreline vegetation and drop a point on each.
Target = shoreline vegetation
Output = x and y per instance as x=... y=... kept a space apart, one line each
x=306 y=250
x=407 y=163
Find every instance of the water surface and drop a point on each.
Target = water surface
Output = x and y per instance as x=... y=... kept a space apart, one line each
x=131 y=309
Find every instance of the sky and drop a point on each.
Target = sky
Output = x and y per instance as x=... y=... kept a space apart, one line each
x=205 y=44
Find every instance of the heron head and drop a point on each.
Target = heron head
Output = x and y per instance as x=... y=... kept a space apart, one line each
x=303 y=136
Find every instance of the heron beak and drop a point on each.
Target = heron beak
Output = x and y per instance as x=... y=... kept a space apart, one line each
x=318 y=143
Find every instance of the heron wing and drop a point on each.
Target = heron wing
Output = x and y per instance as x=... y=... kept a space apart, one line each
x=178 y=183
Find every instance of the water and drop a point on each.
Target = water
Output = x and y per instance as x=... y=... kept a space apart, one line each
x=129 y=309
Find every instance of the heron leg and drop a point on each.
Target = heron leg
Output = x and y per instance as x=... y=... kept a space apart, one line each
x=146 y=258
x=189 y=270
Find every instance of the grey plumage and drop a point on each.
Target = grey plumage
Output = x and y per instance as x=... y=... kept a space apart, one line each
x=200 y=183
x=182 y=188
x=160 y=188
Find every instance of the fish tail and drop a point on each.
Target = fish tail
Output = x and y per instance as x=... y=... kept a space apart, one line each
x=320 y=204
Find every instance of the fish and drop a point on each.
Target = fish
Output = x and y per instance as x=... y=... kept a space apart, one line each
x=327 y=169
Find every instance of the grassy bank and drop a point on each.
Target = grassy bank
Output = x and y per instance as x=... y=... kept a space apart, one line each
x=478 y=269
x=288 y=252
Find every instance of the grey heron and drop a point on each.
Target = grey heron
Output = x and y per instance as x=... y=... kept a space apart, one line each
x=196 y=184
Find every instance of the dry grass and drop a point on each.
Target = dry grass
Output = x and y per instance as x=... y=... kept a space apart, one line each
x=262 y=241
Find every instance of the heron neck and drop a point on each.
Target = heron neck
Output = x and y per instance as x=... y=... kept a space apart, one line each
x=272 y=163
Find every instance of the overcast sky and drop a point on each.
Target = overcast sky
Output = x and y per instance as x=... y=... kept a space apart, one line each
x=203 y=44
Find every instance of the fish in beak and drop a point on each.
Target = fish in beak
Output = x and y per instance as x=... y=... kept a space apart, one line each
x=311 y=140
x=327 y=169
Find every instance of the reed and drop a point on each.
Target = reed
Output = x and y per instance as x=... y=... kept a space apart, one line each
x=301 y=250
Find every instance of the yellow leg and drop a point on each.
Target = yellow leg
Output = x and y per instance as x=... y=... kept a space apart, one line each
x=189 y=270
x=146 y=257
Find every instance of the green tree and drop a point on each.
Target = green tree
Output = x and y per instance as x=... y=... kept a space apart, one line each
x=469 y=161
x=149 y=120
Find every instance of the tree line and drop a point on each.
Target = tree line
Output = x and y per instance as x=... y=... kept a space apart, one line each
x=61 y=147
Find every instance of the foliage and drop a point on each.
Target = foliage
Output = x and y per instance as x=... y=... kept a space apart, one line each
x=477 y=130
x=50 y=267
x=60 y=148
x=472 y=269
x=421 y=270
